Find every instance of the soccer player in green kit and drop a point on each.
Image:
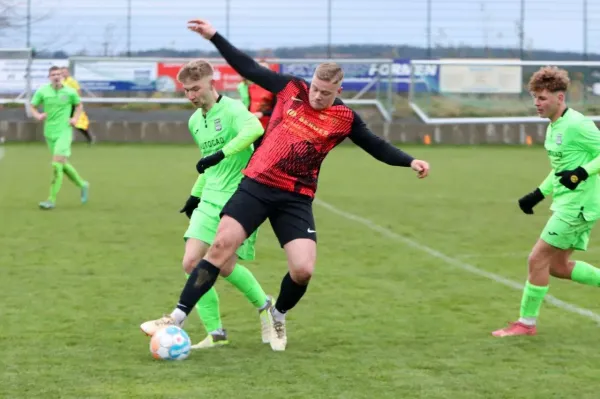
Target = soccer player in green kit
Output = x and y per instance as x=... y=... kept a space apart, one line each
x=573 y=146
x=57 y=101
x=224 y=130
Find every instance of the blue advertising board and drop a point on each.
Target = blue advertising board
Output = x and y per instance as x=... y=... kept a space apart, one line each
x=360 y=74
x=129 y=75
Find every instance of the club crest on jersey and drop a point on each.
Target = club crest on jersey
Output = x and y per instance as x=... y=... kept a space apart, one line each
x=559 y=139
x=218 y=126
x=63 y=98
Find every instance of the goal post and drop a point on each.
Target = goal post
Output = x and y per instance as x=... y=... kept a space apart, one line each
x=15 y=75
x=473 y=91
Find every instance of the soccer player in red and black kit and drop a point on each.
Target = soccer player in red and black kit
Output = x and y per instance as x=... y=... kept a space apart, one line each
x=281 y=179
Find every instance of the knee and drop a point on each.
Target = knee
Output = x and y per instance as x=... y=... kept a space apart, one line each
x=546 y=263
x=301 y=272
x=222 y=248
x=189 y=263
x=535 y=261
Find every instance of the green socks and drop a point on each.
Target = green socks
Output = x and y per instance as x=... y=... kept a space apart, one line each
x=585 y=273
x=246 y=283
x=58 y=170
x=533 y=296
x=73 y=175
x=208 y=310
x=531 y=302
x=242 y=279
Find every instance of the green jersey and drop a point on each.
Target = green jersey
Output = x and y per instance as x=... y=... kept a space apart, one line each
x=57 y=105
x=244 y=94
x=229 y=127
x=573 y=140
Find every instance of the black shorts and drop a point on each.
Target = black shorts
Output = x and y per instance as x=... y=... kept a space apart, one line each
x=290 y=213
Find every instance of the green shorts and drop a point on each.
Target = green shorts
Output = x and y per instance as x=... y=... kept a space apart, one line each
x=568 y=232
x=203 y=226
x=61 y=145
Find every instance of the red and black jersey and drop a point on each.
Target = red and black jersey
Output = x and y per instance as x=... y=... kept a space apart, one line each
x=298 y=137
x=297 y=141
x=262 y=101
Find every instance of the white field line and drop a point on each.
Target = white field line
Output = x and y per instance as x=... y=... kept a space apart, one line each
x=569 y=307
x=521 y=254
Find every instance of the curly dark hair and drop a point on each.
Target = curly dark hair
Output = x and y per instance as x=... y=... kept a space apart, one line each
x=549 y=78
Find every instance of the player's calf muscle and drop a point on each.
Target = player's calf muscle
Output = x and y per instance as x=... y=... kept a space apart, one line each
x=540 y=262
x=562 y=269
x=227 y=268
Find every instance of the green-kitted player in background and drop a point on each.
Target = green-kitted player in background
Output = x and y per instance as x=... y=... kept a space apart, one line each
x=242 y=89
x=57 y=101
x=573 y=146
x=224 y=130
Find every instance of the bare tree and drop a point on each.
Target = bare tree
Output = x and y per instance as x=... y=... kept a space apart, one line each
x=8 y=15
x=109 y=38
x=17 y=15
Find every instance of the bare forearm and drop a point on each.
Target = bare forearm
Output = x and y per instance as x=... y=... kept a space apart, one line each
x=78 y=110
x=34 y=111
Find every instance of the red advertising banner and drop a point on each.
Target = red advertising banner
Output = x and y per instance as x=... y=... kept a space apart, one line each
x=226 y=79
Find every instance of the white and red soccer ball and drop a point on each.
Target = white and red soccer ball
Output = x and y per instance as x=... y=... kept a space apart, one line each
x=170 y=343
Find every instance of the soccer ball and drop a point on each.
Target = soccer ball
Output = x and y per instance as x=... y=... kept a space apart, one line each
x=170 y=343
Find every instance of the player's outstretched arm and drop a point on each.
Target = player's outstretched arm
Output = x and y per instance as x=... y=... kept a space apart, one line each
x=241 y=62
x=382 y=150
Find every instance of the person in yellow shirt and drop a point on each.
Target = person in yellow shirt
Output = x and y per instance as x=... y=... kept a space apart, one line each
x=83 y=123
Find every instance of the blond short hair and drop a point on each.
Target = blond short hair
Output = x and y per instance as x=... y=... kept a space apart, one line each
x=330 y=72
x=549 y=78
x=195 y=70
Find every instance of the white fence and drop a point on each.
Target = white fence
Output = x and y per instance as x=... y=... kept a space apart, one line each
x=153 y=80
x=495 y=85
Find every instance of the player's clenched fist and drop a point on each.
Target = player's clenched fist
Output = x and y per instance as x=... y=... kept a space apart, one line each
x=421 y=167
x=202 y=27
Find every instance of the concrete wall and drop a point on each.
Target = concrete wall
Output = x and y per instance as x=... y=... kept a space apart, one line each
x=176 y=131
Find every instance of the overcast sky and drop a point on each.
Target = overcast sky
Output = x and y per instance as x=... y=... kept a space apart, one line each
x=73 y=25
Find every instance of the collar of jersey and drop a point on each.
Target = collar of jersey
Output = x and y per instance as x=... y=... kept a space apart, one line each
x=214 y=107
x=561 y=116
x=62 y=86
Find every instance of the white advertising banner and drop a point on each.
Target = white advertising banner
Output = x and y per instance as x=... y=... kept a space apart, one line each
x=116 y=75
x=13 y=74
x=481 y=79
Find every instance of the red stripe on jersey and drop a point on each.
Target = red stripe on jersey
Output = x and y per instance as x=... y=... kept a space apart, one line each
x=297 y=141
